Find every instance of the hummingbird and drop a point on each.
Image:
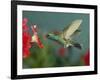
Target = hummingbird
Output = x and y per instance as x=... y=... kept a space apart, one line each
x=65 y=36
x=35 y=37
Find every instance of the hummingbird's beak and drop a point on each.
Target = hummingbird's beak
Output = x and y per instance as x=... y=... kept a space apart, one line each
x=45 y=36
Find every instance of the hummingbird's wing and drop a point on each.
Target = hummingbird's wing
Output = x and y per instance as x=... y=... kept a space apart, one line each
x=69 y=31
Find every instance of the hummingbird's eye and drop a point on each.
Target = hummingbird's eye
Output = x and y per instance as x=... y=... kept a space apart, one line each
x=47 y=35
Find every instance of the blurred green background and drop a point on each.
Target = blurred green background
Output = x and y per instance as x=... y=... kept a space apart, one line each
x=56 y=21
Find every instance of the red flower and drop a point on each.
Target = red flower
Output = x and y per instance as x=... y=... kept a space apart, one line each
x=34 y=28
x=26 y=39
x=61 y=51
x=86 y=58
x=35 y=37
x=39 y=43
x=26 y=44
x=24 y=24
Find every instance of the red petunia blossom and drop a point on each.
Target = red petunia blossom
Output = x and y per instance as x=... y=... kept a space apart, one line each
x=26 y=39
x=86 y=58
x=62 y=51
x=24 y=24
x=26 y=44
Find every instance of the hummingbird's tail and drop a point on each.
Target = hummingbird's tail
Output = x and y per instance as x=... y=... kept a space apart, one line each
x=77 y=45
x=73 y=44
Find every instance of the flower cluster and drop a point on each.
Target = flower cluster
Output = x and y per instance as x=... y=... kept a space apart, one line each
x=26 y=39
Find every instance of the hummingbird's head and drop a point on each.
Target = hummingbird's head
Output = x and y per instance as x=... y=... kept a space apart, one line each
x=50 y=36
